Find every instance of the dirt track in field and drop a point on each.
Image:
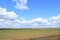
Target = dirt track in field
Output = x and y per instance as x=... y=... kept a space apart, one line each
x=54 y=37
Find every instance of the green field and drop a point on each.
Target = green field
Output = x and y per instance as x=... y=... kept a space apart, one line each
x=30 y=34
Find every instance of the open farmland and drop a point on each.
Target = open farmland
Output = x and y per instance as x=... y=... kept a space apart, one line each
x=30 y=34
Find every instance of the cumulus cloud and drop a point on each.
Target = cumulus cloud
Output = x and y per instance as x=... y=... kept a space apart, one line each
x=40 y=23
x=52 y=22
x=40 y=20
x=21 y=4
x=4 y=14
x=9 y=19
x=55 y=18
x=9 y=24
x=55 y=21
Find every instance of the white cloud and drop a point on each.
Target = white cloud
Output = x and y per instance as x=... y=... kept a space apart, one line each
x=4 y=14
x=40 y=20
x=21 y=4
x=55 y=18
x=55 y=21
x=9 y=24
x=46 y=23
x=10 y=20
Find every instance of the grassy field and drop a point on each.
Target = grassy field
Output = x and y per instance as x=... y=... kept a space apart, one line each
x=30 y=34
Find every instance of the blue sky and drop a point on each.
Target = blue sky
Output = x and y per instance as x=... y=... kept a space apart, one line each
x=32 y=10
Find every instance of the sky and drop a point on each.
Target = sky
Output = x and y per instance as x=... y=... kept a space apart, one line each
x=30 y=14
